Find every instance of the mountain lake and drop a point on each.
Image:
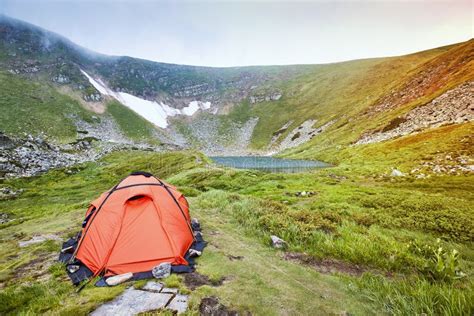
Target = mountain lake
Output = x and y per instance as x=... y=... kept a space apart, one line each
x=268 y=164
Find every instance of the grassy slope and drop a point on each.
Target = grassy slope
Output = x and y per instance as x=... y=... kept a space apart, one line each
x=32 y=107
x=132 y=125
x=330 y=91
x=357 y=220
x=332 y=145
x=36 y=108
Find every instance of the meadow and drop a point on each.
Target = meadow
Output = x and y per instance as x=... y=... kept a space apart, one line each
x=359 y=244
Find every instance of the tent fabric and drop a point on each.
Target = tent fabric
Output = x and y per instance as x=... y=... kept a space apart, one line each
x=136 y=225
x=198 y=245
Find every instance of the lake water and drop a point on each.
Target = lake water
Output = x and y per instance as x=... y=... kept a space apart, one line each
x=268 y=164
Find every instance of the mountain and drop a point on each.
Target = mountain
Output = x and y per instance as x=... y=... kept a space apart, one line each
x=268 y=109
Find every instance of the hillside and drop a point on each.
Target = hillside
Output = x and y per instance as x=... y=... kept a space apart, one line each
x=242 y=109
x=426 y=113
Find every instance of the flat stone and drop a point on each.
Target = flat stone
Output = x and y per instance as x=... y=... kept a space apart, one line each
x=132 y=302
x=153 y=286
x=39 y=239
x=179 y=303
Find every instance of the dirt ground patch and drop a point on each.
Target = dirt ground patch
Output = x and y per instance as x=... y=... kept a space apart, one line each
x=326 y=266
x=36 y=268
x=194 y=280
x=210 y=306
x=232 y=258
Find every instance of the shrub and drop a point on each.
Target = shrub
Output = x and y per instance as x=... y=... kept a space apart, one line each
x=440 y=264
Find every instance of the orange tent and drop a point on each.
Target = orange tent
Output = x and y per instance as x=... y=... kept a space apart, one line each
x=138 y=224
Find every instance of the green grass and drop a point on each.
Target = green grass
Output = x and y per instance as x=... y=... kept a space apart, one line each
x=37 y=108
x=415 y=296
x=131 y=124
x=368 y=87
x=404 y=153
x=333 y=91
x=357 y=220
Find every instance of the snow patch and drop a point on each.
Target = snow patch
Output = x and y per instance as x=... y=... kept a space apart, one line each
x=150 y=110
x=156 y=113
x=98 y=84
x=194 y=106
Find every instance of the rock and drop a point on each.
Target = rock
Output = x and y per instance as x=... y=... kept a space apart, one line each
x=93 y=97
x=7 y=193
x=179 y=303
x=257 y=98
x=4 y=218
x=61 y=79
x=29 y=156
x=118 y=279
x=455 y=106
x=153 y=286
x=132 y=302
x=397 y=173
x=302 y=134
x=39 y=239
x=194 y=221
x=162 y=270
x=278 y=242
x=305 y=193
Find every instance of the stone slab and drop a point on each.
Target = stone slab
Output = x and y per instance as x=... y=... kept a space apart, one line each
x=132 y=302
x=179 y=303
x=153 y=286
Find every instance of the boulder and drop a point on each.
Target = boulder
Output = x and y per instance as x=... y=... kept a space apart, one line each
x=277 y=242
x=397 y=173
x=162 y=270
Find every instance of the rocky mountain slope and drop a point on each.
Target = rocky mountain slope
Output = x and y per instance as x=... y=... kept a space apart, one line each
x=305 y=111
x=164 y=90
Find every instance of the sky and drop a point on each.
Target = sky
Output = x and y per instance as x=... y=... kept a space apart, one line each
x=259 y=32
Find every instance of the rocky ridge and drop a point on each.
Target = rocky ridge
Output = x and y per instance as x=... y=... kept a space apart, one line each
x=300 y=135
x=435 y=74
x=37 y=53
x=234 y=139
x=452 y=107
x=29 y=156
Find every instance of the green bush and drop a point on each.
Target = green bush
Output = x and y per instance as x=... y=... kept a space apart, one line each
x=440 y=264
